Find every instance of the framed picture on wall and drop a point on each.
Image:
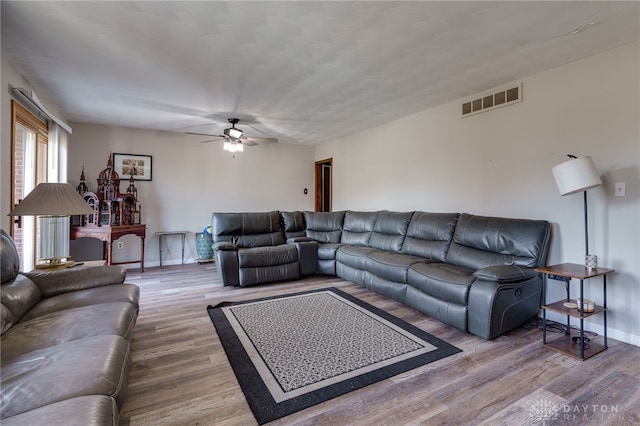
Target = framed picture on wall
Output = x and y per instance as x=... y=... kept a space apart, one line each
x=127 y=165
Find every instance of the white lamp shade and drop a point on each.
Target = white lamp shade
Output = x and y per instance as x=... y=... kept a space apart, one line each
x=52 y=199
x=576 y=175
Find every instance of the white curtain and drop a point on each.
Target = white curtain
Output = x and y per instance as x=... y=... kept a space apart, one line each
x=28 y=142
x=58 y=140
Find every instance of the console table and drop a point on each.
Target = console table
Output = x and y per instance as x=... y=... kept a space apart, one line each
x=108 y=234
x=576 y=347
x=162 y=234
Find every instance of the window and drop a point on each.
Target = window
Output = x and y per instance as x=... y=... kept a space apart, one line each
x=30 y=152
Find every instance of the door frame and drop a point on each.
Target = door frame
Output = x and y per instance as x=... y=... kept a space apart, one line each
x=25 y=230
x=323 y=186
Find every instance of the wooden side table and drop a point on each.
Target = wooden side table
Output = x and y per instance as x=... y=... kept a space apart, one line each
x=108 y=234
x=162 y=234
x=565 y=272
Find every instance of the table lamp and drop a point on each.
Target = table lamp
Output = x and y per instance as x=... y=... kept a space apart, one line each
x=53 y=203
x=578 y=174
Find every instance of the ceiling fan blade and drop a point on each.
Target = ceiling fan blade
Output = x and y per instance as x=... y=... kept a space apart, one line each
x=213 y=140
x=259 y=140
x=204 y=134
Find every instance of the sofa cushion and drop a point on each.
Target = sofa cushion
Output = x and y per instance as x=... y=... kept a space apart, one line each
x=266 y=274
x=324 y=227
x=92 y=366
x=248 y=229
x=389 y=230
x=293 y=224
x=19 y=295
x=86 y=410
x=92 y=296
x=267 y=256
x=354 y=256
x=454 y=314
x=481 y=241
x=392 y=289
x=429 y=235
x=391 y=266
x=328 y=251
x=357 y=227
x=445 y=282
x=116 y=318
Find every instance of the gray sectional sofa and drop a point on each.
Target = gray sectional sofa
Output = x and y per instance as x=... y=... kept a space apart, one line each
x=475 y=273
x=65 y=345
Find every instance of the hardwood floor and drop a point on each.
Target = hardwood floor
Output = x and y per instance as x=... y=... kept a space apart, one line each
x=180 y=374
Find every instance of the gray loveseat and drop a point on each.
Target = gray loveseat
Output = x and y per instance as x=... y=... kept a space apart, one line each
x=475 y=273
x=65 y=345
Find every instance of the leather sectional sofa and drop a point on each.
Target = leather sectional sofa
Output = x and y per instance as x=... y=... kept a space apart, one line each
x=65 y=345
x=475 y=273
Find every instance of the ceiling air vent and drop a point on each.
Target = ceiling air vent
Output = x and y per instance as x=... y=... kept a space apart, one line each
x=495 y=99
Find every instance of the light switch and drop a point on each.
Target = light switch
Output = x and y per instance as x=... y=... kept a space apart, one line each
x=620 y=189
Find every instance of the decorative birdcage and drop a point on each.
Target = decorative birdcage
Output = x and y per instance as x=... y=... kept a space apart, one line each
x=110 y=207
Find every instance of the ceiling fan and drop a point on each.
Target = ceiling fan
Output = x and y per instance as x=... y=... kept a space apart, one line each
x=234 y=138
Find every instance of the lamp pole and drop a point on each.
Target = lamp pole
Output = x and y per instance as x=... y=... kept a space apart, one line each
x=586 y=227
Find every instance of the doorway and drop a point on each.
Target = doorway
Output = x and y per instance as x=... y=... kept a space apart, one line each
x=324 y=182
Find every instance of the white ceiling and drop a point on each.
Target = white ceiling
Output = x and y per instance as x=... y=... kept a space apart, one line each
x=304 y=72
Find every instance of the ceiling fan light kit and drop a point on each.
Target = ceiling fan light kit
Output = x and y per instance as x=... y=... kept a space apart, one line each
x=234 y=139
x=232 y=132
x=233 y=146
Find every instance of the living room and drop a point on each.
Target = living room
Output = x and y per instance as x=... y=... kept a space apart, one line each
x=495 y=163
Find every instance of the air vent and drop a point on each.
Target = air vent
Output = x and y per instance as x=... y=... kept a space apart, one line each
x=495 y=99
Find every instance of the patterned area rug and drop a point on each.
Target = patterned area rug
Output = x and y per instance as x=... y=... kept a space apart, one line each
x=294 y=351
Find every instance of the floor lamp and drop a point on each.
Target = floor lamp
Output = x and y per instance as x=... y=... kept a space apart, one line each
x=576 y=175
x=53 y=203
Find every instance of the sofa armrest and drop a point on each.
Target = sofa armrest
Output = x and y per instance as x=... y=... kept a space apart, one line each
x=224 y=245
x=227 y=264
x=496 y=307
x=299 y=240
x=53 y=283
x=505 y=273
x=307 y=255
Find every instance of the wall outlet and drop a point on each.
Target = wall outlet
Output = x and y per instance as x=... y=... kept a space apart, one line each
x=620 y=189
x=119 y=245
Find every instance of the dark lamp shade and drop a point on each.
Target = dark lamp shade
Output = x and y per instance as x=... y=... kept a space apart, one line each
x=52 y=199
x=576 y=175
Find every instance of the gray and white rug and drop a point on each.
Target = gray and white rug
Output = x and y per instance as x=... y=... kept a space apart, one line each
x=297 y=350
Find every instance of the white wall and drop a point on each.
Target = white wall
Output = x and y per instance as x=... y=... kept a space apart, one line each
x=191 y=180
x=499 y=163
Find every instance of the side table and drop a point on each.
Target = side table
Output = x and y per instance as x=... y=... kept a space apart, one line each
x=162 y=234
x=108 y=234
x=575 y=347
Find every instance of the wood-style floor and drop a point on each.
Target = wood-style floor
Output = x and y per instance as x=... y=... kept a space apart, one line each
x=180 y=374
